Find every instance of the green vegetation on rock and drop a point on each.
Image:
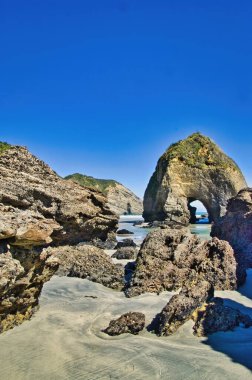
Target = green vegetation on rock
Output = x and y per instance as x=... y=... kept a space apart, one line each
x=95 y=183
x=198 y=151
x=4 y=146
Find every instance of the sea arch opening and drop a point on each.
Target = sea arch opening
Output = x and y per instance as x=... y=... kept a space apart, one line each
x=199 y=212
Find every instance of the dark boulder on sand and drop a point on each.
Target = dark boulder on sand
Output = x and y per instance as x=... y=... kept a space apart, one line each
x=132 y=323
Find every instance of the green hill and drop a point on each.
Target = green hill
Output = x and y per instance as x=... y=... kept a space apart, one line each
x=99 y=184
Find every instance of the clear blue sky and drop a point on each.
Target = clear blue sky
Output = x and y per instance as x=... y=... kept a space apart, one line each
x=103 y=87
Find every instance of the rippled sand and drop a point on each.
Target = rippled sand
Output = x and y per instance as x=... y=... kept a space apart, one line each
x=64 y=340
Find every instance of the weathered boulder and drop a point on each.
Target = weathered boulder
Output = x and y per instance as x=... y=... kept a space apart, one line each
x=215 y=316
x=125 y=253
x=86 y=261
x=181 y=307
x=131 y=323
x=236 y=228
x=192 y=169
x=170 y=258
x=120 y=200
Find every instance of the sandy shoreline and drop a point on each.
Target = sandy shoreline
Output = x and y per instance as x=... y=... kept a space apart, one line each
x=64 y=340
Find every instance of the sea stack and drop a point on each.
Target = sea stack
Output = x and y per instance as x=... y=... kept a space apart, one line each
x=191 y=169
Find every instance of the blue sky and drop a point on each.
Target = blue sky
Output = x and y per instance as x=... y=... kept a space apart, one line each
x=103 y=87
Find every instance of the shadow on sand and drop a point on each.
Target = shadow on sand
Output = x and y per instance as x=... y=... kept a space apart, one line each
x=237 y=344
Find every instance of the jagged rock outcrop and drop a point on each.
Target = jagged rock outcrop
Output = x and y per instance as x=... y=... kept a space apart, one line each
x=236 y=228
x=38 y=208
x=120 y=199
x=181 y=307
x=86 y=261
x=23 y=274
x=170 y=258
x=131 y=323
x=192 y=169
x=215 y=316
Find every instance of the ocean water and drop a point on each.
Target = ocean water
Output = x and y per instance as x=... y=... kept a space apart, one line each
x=127 y=221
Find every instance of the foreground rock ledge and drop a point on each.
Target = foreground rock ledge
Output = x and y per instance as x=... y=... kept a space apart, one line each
x=38 y=208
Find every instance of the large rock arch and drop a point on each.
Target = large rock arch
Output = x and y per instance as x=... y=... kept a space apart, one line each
x=192 y=169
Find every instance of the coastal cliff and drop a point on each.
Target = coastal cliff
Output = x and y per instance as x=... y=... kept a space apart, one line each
x=120 y=199
x=192 y=169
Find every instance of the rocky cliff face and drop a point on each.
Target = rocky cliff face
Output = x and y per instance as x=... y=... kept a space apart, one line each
x=120 y=199
x=192 y=169
x=236 y=227
x=38 y=208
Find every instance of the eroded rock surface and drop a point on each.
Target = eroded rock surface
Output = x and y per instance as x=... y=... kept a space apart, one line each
x=215 y=316
x=132 y=323
x=170 y=258
x=38 y=208
x=181 y=307
x=192 y=169
x=86 y=261
x=236 y=227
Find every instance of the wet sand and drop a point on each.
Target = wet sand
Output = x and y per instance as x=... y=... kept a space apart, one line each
x=64 y=340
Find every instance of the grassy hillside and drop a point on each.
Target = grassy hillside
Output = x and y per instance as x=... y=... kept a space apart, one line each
x=99 y=184
x=4 y=146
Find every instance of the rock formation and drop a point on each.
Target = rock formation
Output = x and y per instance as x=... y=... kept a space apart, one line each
x=170 y=258
x=38 y=208
x=120 y=199
x=215 y=316
x=181 y=307
x=192 y=169
x=132 y=323
x=125 y=253
x=236 y=228
x=86 y=261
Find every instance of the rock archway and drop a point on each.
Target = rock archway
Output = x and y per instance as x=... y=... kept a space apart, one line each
x=194 y=168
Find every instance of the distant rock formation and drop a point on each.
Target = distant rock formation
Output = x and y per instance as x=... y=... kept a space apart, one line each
x=192 y=169
x=38 y=208
x=236 y=228
x=120 y=199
